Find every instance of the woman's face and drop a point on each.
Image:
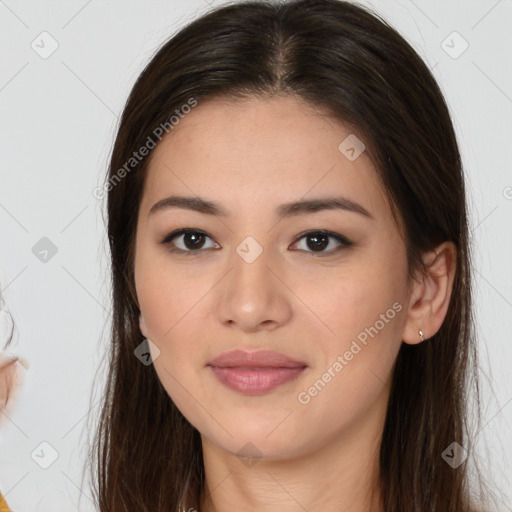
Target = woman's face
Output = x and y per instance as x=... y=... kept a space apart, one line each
x=253 y=278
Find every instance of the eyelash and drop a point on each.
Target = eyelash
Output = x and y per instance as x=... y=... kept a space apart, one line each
x=345 y=242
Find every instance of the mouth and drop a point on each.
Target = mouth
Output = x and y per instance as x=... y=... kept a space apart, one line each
x=255 y=372
x=255 y=359
x=255 y=381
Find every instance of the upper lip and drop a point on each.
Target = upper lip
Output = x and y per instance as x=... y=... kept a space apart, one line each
x=254 y=359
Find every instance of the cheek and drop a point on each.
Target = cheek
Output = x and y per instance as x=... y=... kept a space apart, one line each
x=354 y=301
x=348 y=400
x=171 y=302
x=167 y=305
x=166 y=295
x=364 y=310
x=357 y=362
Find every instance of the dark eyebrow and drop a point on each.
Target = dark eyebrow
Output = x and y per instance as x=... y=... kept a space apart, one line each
x=285 y=210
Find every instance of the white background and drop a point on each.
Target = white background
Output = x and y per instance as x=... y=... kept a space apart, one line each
x=58 y=119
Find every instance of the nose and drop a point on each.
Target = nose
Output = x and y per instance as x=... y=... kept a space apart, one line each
x=254 y=296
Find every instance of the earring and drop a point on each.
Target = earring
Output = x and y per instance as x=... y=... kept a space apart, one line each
x=420 y=332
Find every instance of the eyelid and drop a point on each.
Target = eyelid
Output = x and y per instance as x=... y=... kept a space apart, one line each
x=341 y=239
x=181 y=231
x=344 y=242
x=337 y=236
x=166 y=239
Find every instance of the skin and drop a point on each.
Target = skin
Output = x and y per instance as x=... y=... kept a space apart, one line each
x=10 y=381
x=250 y=157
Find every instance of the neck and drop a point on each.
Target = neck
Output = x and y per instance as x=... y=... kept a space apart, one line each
x=341 y=475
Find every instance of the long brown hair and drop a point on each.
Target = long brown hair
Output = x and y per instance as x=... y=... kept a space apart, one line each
x=348 y=61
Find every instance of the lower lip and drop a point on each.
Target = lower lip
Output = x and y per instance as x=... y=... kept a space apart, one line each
x=251 y=381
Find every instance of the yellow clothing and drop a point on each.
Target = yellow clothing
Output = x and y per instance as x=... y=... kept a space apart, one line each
x=3 y=504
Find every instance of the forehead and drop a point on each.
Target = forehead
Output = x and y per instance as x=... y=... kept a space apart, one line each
x=263 y=150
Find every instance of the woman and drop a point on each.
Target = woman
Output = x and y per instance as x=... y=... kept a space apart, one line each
x=292 y=319
x=10 y=381
x=7 y=377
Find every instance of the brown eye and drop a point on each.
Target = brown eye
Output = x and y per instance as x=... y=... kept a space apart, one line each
x=186 y=240
x=191 y=241
x=318 y=241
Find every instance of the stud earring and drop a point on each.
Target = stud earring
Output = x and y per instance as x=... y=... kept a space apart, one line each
x=420 y=332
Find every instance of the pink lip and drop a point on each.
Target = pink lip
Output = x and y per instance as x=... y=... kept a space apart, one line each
x=255 y=359
x=255 y=373
x=255 y=381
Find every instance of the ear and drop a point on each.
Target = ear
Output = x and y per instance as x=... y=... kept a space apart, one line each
x=430 y=294
x=143 y=326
